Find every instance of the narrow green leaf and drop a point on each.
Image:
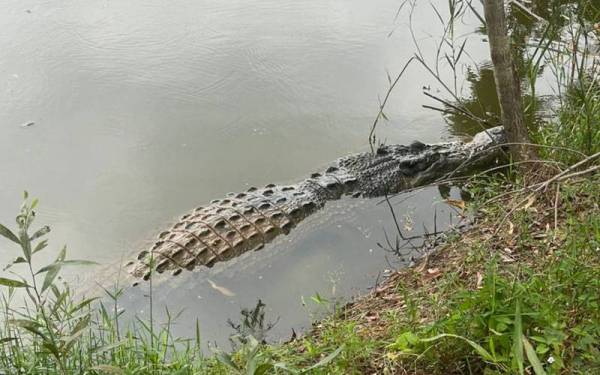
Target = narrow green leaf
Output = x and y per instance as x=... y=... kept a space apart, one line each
x=12 y=283
x=52 y=348
x=108 y=347
x=53 y=270
x=460 y=52
x=82 y=304
x=325 y=361
x=41 y=232
x=77 y=331
x=478 y=348
x=533 y=358
x=263 y=369
x=518 y=339
x=62 y=263
x=16 y=261
x=5 y=232
x=225 y=359
x=40 y=246
x=25 y=244
x=19 y=260
x=29 y=325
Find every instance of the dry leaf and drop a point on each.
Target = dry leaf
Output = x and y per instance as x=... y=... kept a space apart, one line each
x=221 y=289
x=456 y=203
x=530 y=201
x=371 y=316
x=479 y=280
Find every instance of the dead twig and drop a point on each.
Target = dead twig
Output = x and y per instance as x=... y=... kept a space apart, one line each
x=382 y=105
x=557 y=177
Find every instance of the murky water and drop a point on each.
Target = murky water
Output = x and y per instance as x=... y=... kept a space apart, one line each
x=145 y=109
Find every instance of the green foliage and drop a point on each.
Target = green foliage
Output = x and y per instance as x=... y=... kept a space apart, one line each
x=55 y=332
x=52 y=331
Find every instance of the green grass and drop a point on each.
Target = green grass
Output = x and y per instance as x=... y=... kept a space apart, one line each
x=45 y=329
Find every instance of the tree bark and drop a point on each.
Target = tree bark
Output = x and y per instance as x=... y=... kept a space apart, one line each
x=508 y=84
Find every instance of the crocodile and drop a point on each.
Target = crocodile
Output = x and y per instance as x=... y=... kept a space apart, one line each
x=245 y=221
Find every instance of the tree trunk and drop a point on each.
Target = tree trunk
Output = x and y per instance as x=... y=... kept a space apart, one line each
x=507 y=82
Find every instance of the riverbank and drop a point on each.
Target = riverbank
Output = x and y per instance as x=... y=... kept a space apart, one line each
x=517 y=291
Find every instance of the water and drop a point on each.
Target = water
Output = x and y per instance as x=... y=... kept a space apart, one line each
x=143 y=110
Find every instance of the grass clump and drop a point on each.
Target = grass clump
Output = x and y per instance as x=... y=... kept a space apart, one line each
x=45 y=329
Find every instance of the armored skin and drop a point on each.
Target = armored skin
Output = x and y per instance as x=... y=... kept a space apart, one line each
x=246 y=221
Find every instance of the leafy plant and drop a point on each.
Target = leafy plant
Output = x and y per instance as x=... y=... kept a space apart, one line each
x=49 y=317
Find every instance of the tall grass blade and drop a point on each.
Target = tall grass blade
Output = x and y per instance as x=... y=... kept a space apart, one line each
x=518 y=339
x=533 y=358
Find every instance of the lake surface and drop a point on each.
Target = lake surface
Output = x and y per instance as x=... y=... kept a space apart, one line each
x=143 y=110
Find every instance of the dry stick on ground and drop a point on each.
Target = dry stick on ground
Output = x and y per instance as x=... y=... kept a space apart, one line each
x=537 y=188
x=556 y=209
x=564 y=173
